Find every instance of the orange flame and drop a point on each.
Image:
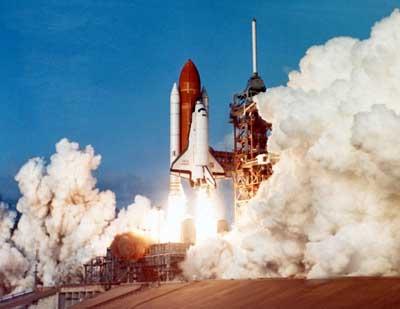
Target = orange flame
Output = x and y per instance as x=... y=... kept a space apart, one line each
x=128 y=246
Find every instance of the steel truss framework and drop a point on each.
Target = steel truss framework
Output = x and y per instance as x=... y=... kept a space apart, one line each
x=250 y=157
x=161 y=263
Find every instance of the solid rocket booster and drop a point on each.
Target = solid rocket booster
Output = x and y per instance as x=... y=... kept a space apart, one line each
x=174 y=124
x=195 y=162
x=175 y=186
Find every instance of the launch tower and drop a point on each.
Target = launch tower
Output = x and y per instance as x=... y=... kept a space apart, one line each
x=251 y=163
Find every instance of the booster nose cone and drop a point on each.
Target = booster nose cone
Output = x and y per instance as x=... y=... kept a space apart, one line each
x=174 y=92
x=174 y=88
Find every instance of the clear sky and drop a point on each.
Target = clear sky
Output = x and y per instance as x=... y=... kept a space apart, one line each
x=100 y=72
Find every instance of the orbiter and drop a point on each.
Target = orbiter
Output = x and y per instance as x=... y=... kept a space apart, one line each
x=190 y=152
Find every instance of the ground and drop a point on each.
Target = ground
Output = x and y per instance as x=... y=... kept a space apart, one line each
x=354 y=292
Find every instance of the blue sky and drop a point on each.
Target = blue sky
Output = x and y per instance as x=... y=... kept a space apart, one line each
x=100 y=72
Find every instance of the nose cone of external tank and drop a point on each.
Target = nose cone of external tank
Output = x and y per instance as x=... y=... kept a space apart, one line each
x=189 y=93
x=189 y=80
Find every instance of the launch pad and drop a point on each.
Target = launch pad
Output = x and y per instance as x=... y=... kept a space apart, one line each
x=160 y=263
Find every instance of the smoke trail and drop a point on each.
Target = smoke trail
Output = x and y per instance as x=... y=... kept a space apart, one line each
x=65 y=220
x=332 y=206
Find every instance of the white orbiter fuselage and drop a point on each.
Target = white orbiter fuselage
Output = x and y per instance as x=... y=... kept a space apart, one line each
x=197 y=163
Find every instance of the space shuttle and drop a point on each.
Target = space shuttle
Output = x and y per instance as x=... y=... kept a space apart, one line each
x=190 y=155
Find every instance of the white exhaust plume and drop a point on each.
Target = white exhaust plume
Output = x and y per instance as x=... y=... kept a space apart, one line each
x=332 y=206
x=65 y=220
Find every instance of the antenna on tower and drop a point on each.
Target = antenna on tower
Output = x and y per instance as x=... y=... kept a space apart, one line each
x=255 y=84
x=254 y=44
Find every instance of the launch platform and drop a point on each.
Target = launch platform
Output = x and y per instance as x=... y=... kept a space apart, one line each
x=160 y=263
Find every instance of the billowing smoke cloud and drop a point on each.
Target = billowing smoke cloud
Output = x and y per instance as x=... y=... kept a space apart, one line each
x=332 y=206
x=65 y=220
x=13 y=264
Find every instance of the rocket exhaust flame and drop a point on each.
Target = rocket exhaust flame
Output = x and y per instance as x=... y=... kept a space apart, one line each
x=205 y=216
x=175 y=215
x=128 y=246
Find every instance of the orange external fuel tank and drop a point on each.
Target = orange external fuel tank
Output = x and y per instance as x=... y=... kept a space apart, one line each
x=189 y=92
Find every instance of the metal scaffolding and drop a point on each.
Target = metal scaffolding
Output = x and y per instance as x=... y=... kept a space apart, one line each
x=251 y=162
x=160 y=263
